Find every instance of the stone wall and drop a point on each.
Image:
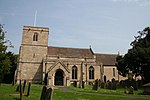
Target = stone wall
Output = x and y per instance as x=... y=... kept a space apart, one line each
x=32 y=53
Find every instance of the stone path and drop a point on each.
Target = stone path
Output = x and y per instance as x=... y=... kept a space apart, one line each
x=64 y=89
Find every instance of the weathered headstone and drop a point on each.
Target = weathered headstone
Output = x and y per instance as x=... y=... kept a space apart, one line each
x=109 y=85
x=24 y=85
x=113 y=80
x=20 y=90
x=114 y=86
x=102 y=85
x=126 y=91
x=146 y=88
x=48 y=94
x=99 y=82
x=131 y=90
x=95 y=86
x=75 y=83
x=83 y=84
x=43 y=94
x=135 y=86
x=28 y=92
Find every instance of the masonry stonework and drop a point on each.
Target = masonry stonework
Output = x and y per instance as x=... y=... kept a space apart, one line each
x=41 y=63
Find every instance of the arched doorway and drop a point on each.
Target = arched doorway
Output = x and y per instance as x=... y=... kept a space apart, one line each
x=59 y=78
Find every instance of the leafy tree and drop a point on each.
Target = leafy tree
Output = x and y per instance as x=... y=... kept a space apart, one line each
x=137 y=59
x=9 y=77
x=7 y=59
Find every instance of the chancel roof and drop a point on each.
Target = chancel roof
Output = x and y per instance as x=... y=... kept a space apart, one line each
x=70 y=52
x=106 y=59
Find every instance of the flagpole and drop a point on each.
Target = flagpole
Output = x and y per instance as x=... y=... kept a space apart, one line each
x=35 y=18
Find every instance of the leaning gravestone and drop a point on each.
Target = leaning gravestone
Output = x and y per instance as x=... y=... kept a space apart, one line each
x=43 y=94
x=49 y=94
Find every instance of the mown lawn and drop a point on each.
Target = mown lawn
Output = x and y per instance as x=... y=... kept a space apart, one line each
x=8 y=92
x=119 y=91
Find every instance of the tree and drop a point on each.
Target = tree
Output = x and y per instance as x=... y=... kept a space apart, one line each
x=7 y=59
x=137 y=59
x=13 y=58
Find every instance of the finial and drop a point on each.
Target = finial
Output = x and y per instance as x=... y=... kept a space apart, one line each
x=90 y=46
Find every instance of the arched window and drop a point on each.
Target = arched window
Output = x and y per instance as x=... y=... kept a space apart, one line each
x=114 y=72
x=91 y=72
x=35 y=37
x=74 y=72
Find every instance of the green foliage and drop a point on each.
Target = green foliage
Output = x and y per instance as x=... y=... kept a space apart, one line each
x=137 y=59
x=8 y=61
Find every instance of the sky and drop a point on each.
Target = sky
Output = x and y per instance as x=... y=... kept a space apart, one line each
x=108 y=26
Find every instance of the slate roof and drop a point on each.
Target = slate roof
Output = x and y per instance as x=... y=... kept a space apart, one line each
x=70 y=52
x=106 y=59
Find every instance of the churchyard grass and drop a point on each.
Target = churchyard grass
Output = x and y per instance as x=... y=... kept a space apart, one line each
x=8 y=92
x=119 y=91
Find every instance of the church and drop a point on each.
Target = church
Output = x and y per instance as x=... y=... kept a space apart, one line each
x=59 y=65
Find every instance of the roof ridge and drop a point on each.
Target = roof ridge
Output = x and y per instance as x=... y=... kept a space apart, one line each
x=69 y=47
x=104 y=54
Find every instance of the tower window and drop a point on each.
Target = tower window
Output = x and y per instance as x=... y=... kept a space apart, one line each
x=91 y=72
x=114 y=72
x=74 y=72
x=35 y=37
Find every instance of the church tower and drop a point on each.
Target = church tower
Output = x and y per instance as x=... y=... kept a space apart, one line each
x=33 y=49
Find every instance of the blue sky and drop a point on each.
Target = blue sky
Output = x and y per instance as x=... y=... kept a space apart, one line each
x=108 y=26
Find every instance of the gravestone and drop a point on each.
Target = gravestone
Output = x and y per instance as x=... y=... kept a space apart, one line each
x=131 y=90
x=114 y=86
x=48 y=94
x=102 y=85
x=135 y=85
x=109 y=85
x=43 y=94
x=28 y=92
x=146 y=88
x=95 y=86
x=24 y=85
x=113 y=80
x=99 y=81
x=75 y=83
x=18 y=88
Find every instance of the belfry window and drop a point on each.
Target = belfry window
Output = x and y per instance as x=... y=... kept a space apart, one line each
x=91 y=72
x=74 y=72
x=35 y=37
x=114 y=72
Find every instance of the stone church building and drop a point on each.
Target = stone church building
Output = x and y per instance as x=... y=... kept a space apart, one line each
x=60 y=65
